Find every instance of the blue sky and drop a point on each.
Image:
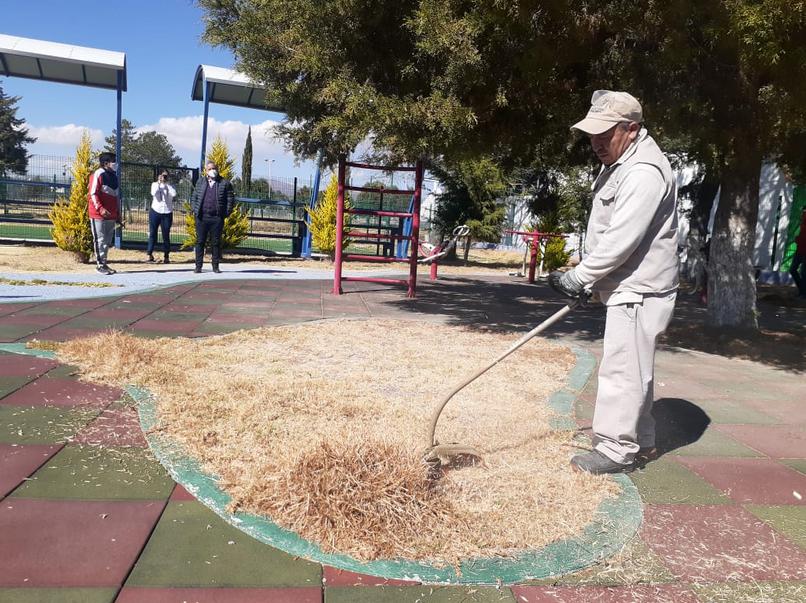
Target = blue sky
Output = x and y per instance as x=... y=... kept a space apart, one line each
x=163 y=46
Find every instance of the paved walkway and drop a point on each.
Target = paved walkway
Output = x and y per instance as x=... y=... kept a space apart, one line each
x=89 y=516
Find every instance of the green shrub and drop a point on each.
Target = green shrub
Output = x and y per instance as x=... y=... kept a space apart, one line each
x=552 y=252
x=70 y=217
x=323 y=219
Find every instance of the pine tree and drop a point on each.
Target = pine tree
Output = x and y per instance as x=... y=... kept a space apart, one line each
x=71 y=221
x=236 y=225
x=323 y=218
x=13 y=136
x=246 y=163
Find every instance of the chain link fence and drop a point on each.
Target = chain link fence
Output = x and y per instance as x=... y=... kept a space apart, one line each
x=275 y=208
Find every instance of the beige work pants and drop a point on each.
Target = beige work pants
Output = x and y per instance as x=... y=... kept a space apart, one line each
x=622 y=419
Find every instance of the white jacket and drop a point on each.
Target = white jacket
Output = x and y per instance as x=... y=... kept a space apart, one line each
x=162 y=197
x=631 y=241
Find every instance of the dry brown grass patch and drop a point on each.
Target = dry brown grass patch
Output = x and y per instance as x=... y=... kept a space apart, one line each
x=322 y=426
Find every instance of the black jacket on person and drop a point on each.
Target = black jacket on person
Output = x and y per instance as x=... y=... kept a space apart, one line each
x=226 y=196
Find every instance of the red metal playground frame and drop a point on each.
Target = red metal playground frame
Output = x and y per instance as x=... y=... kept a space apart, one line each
x=413 y=237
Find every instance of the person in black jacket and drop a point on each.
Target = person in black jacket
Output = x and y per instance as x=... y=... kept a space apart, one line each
x=212 y=201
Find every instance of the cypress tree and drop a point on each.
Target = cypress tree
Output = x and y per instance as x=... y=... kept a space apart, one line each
x=246 y=163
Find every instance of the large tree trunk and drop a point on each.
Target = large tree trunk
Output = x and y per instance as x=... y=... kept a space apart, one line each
x=731 y=274
x=696 y=267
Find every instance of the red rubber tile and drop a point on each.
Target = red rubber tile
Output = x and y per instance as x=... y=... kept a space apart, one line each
x=114 y=427
x=219 y=595
x=169 y=327
x=756 y=481
x=81 y=303
x=776 y=441
x=22 y=365
x=603 y=594
x=60 y=333
x=180 y=494
x=719 y=543
x=35 y=320
x=58 y=391
x=19 y=461
x=332 y=576
x=6 y=309
x=72 y=543
x=128 y=314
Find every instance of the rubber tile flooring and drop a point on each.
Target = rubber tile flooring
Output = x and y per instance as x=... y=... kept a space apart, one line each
x=88 y=515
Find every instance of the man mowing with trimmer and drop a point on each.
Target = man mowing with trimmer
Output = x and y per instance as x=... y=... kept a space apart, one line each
x=630 y=262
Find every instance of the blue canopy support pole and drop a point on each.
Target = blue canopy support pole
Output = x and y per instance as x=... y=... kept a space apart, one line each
x=119 y=231
x=403 y=244
x=207 y=86
x=306 y=241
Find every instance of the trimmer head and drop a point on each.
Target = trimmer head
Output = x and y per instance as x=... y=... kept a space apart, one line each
x=454 y=456
x=438 y=456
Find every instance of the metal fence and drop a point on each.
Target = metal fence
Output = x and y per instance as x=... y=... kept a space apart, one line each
x=275 y=209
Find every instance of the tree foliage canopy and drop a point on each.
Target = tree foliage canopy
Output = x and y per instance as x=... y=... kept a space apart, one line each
x=471 y=189
x=146 y=147
x=13 y=136
x=722 y=83
x=417 y=77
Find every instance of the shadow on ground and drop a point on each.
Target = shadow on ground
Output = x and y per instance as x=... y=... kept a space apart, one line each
x=501 y=306
x=678 y=424
x=508 y=305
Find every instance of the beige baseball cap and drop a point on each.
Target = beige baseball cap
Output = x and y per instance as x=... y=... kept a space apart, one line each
x=609 y=108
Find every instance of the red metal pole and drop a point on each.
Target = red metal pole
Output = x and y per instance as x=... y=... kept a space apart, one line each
x=414 y=246
x=533 y=259
x=434 y=270
x=339 y=230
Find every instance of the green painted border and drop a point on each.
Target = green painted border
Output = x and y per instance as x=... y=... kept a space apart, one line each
x=19 y=348
x=617 y=520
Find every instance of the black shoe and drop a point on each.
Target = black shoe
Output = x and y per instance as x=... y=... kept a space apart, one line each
x=197 y=270
x=103 y=270
x=110 y=270
x=150 y=258
x=216 y=269
x=645 y=456
x=165 y=260
x=597 y=463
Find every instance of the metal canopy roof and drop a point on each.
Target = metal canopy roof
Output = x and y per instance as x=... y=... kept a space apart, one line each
x=55 y=62
x=228 y=87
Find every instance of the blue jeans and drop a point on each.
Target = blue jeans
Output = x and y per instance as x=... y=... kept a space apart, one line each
x=164 y=223
x=211 y=226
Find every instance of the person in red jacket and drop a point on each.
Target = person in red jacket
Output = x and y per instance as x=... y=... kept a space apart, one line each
x=798 y=267
x=102 y=201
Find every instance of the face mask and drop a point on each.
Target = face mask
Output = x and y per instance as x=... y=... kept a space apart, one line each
x=212 y=173
x=113 y=167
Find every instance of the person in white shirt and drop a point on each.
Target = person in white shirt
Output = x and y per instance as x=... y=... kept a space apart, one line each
x=631 y=263
x=161 y=215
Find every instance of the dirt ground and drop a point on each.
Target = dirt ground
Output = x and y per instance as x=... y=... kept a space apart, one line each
x=19 y=259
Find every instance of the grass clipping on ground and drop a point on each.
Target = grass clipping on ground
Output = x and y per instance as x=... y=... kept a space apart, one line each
x=322 y=427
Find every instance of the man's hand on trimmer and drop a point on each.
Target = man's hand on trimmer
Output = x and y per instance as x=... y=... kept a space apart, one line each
x=566 y=284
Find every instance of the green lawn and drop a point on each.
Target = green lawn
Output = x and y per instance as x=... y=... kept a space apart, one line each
x=36 y=232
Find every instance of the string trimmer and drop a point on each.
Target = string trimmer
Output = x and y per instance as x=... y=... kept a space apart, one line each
x=438 y=454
